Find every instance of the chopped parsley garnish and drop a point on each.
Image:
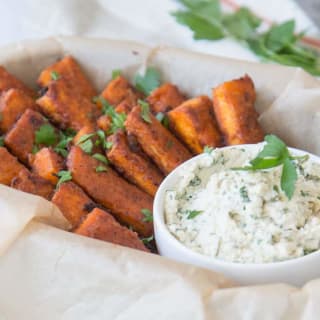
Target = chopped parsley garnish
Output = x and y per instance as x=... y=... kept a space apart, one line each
x=100 y=158
x=102 y=140
x=1 y=141
x=46 y=135
x=163 y=119
x=147 y=240
x=148 y=217
x=54 y=75
x=147 y=82
x=117 y=118
x=193 y=213
x=101 y=168
x=207 y=149
x=275 y=153
x=145 y=111
x=116 y=73
x=86 y=146
x=64 y=176
x=244 y=194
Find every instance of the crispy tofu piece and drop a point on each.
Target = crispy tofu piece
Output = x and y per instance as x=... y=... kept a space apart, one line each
x=13 y=103
x=120 y=89
x=20 y=139
x=194 y=123
x=125 y=106
x=156 y=141
x=233 y=104
x=66 y=107
x=8 y=81
x=9 y=166
x=165 y=98
x=69 y=69
x=72 y=202
x=101 y=225
x=137 y=169
x=104 y=123
x=47 y=163
x=32 y=183
x=123 y=199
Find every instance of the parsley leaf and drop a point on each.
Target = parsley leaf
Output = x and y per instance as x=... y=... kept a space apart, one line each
x=86 y=146
x=64 y=176
x=274 y=154
x=147 y=240
x=101 y=158
x=279 y=43
x=54 y=75
x=46 y=135
x=163 y=118
x=148 y=217
x=193 y=213
x=147 y=82
x=145 y=111
x=116 y=73
x=208 y=149
x=101 y=168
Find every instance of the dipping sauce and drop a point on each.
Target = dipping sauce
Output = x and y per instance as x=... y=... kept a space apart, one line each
x=244 y=216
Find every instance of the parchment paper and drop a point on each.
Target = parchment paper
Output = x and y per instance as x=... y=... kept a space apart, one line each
x=48 y=273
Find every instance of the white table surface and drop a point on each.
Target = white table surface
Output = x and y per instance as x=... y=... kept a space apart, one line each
x=146 y=21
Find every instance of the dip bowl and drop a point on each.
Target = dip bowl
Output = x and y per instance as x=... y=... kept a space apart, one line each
x=296 y=271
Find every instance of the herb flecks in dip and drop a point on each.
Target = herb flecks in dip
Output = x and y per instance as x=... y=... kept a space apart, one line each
x=244 y=216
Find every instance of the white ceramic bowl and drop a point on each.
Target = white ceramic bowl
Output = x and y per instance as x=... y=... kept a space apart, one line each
x=295 y=271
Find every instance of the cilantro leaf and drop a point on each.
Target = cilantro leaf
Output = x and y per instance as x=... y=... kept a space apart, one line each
x=275 y=148
x=163 y=118
x=116 y=73
x=54 y=75
x=64 y=176
x=288 y=178
x=280 y=36
x=148 y=217
x=85 y=137
x=147 y=240
x=101 y=168
x=1 y=141
x=145 y=111
x=100 y=158
x=86 y=146
x=193 y=213
x=148 y=82
x=202 y=29
x=46 y=135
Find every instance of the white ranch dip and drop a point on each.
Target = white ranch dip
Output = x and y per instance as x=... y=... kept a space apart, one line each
x=244 y=216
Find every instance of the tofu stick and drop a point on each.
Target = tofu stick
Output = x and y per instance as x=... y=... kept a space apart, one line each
x=136 y=168
x=156 y=141
x=101 y=225
x=233 y=104
x=105 y=186
x=193 y=121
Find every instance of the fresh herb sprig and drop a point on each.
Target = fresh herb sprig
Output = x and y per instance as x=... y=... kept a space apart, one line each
x=148 y=217
x=64 y=176
x=147 y=82
x=279 y=43
x=145 y=111
x=275 y=153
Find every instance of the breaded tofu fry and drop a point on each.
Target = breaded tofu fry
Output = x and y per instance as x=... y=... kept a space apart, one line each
x=104 y=123
x=47 y=163
x=105 y=186
x=193 y=121
x=120 y=89
x=20 y=139
x=8 y=81
x=32 y=183
x=165 y=98
x=66 y=107
x=233 y=104
x=13 y=103
x=9 y=166
x=137 y=169
x=101 y=225
x=72 y=202
x=69 y=69
x=156 y=141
